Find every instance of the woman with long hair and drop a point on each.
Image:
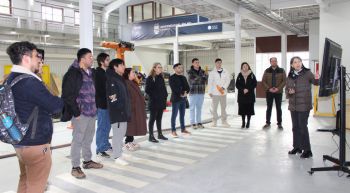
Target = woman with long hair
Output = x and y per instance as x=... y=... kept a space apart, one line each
x=156 y=90
x=298 y=90
x=137 y=125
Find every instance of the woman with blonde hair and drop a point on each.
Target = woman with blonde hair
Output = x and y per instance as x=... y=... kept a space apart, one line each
x=156 y=90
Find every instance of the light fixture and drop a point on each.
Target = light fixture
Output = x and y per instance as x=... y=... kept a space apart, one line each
x=231 y=39
x=13 y=32
x=46 y=35
x=71 y=5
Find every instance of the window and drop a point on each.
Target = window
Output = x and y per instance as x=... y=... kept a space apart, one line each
x=52 y=13
x=147 y=11
x=166 y=10
x=179 y=11
x=137 y=10
x=76 y=18
x=5 y=7
x=263 y=61
x=129 y=14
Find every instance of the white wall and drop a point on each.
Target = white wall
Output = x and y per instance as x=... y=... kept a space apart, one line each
x=146 y=57
x=334 y=24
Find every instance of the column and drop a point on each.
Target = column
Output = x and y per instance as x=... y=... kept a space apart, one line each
x=176 y=47
x=86 y=29
x=30 y=5
x=284 y=63
x=237 y=54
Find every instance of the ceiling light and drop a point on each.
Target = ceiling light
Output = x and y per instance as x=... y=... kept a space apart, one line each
x=47 y=35
x=13 y=32
x=71 y=5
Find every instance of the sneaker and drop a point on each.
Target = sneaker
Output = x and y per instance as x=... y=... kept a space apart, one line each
x=194 y=126
x=214 y=124
x=225 y=124
x=129 y=147
x=110 y=150
x=121 y=161
x=91 y=164
x=279 y=126
x=103 y=154
x=306 y=154
x=174 y=134
x=136 y=145
x=185 y=132
x=200 y=126
x=294 y=151
x=78 y=173
x=266 y=126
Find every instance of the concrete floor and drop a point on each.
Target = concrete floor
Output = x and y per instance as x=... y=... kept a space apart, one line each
x=212 y=160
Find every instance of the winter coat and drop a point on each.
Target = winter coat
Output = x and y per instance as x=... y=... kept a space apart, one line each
x=178 y=85
x=197 y=80
x=215 y=79
x=280 y=79
x=250 y=84
x=137 y=125
x=157 y=92
x=118 y=98
x=100 y=86
x=301 y=100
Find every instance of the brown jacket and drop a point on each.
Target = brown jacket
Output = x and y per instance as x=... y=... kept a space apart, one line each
x=280 y=79
x=301 y=100
x=137 y=125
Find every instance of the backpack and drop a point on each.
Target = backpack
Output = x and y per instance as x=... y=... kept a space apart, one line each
x=12 y=130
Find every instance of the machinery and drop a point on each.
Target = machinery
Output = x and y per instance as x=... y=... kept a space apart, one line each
x=120 y=47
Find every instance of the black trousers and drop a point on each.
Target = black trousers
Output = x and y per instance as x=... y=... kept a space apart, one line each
x=129 y=139
x=278 y=100
x=155 y=115
x=301 y=137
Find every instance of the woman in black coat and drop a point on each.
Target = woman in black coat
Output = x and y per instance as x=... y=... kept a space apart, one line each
x=156 y=90
x=245 y=84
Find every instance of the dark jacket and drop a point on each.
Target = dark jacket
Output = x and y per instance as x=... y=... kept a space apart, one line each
x=179 y=86
x=250 y=84
x=71 y=85
x=100 y=86
x=157 y=93
x=29 y=93
x=137 y=125
x=301 y=100
x=280 y=79
x=118 y=99
x=197 y=80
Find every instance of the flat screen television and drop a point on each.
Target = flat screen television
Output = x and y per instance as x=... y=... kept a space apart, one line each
x=329 y=75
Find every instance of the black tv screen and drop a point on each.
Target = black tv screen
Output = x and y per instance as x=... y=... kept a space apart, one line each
x=329 y=75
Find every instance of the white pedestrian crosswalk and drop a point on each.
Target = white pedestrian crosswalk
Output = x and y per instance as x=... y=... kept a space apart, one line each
x=151 y=162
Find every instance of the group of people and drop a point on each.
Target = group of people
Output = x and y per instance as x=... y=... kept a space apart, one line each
x=111 y=93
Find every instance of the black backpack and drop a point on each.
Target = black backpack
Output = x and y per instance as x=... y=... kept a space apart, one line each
x=12 y=130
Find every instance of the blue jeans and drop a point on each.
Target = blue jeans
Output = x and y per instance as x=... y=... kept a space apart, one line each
x=196 y=103
x=178 y=106
x=102 y=131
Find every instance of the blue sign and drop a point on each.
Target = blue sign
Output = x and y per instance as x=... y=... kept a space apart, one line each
x=166 y=27
x=202 y=28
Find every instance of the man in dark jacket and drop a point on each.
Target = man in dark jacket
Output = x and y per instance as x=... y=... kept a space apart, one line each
x=274 y=79
x=179 y=89
x=119 y=107
x=103 y=122
x=78 y=93
x=33 y=152
x=197 y=79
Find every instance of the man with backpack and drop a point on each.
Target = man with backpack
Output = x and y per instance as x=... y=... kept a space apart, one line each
x=34 y=107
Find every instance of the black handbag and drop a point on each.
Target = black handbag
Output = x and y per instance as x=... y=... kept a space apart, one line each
x=187 y=103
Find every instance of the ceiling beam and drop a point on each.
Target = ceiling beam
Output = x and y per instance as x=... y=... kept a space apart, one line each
x=113 y=6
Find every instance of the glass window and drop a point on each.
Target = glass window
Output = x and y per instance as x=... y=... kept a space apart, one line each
x=137 y=13
x=129 y=14
x=263 y=62
x=157 y=10
x=303 y=55
x=179 y=11
x=148 y=11
x=51 y=14
x=166 y=10
x=76 y=18
x=5 y=7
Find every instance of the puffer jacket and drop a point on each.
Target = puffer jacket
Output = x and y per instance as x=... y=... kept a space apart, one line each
x=197 y=80
x=301 y=100
x=280 y=79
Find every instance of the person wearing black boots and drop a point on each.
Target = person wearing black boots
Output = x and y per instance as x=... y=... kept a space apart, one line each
x=298 y=89
x=157 y=93
x=245 y=84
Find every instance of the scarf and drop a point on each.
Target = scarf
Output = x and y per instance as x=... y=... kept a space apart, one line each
x=246 y=74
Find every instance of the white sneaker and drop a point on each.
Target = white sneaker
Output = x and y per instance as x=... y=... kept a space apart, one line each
x=225 y=124
x=121 y=161
x=214 y=124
